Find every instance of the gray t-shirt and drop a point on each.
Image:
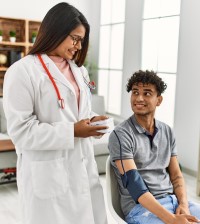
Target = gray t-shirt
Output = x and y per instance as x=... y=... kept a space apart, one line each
x=151 y=158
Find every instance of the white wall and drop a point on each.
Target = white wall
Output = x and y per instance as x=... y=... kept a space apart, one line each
x=93 y=53
x=132 y=49
x=36 y=9
x=187 y=106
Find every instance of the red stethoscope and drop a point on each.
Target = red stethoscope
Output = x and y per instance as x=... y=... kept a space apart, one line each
x=61 y=102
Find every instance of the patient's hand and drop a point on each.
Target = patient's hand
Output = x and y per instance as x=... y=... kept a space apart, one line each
x=181 y=219
x=182 y=209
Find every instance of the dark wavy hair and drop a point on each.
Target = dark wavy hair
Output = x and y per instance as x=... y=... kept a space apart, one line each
x=146 y=77
x=59 y=21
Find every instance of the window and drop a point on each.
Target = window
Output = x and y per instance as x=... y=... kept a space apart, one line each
x=160 y=48
x=111 y=53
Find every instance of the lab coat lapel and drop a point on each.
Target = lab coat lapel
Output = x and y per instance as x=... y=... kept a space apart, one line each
x=79 y=80
x=77 y=74
x=84 y=90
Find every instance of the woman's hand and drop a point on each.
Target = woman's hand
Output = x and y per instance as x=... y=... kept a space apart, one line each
x=98 y=118
x=83 y=128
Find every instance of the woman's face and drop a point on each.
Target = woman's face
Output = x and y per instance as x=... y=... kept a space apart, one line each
x=71 y=44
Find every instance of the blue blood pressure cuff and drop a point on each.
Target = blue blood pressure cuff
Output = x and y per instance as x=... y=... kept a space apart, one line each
x=134 y=183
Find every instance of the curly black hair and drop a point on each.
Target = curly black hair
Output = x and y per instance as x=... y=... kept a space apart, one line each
x=146 y=77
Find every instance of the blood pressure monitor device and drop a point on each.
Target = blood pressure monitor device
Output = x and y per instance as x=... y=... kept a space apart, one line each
x=107 y=122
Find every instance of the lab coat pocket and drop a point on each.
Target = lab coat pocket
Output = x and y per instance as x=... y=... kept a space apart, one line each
x=49 y=178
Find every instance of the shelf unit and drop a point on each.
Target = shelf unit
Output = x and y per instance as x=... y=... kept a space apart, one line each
x=15 y=50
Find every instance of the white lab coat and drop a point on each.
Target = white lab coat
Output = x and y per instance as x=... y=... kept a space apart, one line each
x=58 y=181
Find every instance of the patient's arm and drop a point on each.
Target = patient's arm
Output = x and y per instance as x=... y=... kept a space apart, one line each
x=179 y=186
x=148 y=201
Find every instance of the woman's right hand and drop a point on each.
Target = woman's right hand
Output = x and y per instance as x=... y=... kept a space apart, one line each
x=83 y=129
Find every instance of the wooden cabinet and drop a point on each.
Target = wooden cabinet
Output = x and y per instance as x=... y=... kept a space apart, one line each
x=13 y=51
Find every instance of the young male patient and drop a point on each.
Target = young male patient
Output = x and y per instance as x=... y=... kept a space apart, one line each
x=144 y=157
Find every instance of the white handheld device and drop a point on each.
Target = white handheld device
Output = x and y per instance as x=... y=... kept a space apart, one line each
x=107 y=122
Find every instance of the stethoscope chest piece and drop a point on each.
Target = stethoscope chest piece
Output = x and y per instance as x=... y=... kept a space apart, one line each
x=61 y=103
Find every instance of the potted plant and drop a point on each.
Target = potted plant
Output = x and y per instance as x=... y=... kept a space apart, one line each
x=1 y=35
x=12 y=36
x=34 y=34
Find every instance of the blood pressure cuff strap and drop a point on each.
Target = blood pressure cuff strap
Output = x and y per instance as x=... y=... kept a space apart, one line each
x=134 y=183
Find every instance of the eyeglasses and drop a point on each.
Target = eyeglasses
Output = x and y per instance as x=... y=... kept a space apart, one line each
x=76 y=39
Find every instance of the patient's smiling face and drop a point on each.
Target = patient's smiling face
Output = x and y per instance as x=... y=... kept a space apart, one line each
x=144 y=99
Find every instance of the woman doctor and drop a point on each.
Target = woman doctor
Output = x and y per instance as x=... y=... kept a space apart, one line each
x=48 y=109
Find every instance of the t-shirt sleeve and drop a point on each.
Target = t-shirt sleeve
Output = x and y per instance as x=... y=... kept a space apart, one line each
x=173 y=145
x=120 y=145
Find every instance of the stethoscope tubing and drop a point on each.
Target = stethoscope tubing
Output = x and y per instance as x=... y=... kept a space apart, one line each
x=60 y=100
